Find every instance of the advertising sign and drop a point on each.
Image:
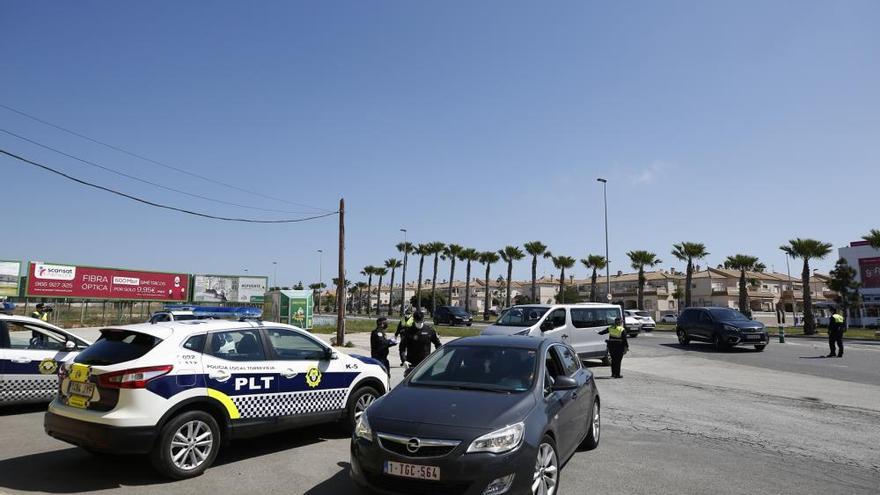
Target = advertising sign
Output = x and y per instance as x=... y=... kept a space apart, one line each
x=300 y=308
x=229 y=288
x=87 y=282
x=9 y=280
x=869 y=268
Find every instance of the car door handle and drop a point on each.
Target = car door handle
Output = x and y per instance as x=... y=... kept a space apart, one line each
x=20 y=360
x=565 y=336
x=221 y=375
x=289 y=373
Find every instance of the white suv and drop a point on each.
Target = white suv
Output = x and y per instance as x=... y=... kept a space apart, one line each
x=642 y=319
x=177 y=390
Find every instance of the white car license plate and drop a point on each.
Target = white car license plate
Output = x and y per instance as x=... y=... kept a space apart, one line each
x=84 y=389
x=412 y=471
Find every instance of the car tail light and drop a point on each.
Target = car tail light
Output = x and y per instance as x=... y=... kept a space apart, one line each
x=133 y=378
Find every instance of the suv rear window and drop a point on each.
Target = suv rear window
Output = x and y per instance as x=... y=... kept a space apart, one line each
x=117 y=346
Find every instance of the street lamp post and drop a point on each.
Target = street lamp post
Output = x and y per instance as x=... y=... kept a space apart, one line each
x=275 y=274
x=403 y=276
x=607 y=260
x=320 y=276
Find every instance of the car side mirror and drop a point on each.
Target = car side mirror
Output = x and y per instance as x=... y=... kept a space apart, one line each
x=69 y=345
x=330 y=354
x=564 y=382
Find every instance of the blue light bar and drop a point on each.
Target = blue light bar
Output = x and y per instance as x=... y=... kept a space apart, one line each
x=218 y=311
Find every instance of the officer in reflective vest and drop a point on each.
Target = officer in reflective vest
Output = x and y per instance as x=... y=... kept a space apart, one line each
x=836 y=327
x=405 y=323
x=39 y=313
x=617 y=346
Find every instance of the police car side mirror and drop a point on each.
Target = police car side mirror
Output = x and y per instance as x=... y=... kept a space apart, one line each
x=70 y=345
x=330 y=354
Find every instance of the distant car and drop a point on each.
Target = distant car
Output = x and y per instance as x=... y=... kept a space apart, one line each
x=452 y=315
x=668 y=318
x=164 y=316
x=31 y=352
x=632 y=325
x=646 y=321
x=724 y=327
x=482 y=415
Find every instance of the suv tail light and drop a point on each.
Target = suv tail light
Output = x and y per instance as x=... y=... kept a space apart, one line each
x=133 y=378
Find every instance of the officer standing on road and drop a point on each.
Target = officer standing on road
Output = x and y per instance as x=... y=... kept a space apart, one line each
x=617 y=346
x=406 y=322
x=836 y=327
x=418 y=339
x=380 y=343
x=40 y=313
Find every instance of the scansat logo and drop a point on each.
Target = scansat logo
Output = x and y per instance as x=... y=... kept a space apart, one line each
x=54 y=272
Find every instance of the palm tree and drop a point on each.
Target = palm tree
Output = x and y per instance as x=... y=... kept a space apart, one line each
x=452 y=252
x=535 y=248
x=435 y=248
x=380 y=272
x=369 y=271
x=345 y=284
x=744 y=263
x=807 y=249
x=421 y=250
x=487 y=258
x=594 y=262
x=316 y=289
x=405 y=248
x=468 y=255
x=510 y=254
x=640 y=260
x=689 y=251
x=360 y=287
x=561 y=263
x=393 y=264
x=873 y=238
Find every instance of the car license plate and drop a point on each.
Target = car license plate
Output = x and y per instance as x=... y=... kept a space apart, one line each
x=84 y=389
x=412 y=471
x=754 y=337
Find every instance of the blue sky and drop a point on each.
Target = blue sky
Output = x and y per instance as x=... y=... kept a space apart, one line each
x=738 y=124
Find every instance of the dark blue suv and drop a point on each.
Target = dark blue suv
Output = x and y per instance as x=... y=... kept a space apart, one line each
x=723 y=327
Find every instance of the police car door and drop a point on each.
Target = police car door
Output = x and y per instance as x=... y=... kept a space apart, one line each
x=312 y=383
x=30 y=362
x=240 y=376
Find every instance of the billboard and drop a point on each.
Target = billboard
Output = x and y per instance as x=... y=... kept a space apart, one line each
x=869 y=269
x=229 y=288
x=87 y=282
x=9 y=280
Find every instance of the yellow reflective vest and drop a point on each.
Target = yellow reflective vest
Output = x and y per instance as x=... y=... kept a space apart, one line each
x=838 y=318
x=615 y=331
x=40 y=316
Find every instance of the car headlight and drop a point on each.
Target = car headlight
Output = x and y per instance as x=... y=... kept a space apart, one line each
x=362 y=429
x=499 y=441
x=731 y=328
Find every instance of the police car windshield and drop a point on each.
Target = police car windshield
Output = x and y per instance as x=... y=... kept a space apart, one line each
x=117 y=346
x=523 y=316
x=477 y=367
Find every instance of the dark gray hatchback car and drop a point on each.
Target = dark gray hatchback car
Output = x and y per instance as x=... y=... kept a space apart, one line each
x=723 y=327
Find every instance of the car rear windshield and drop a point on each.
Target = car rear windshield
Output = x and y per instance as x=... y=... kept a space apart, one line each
x=117 y=346
x=478 y=367
x=726 y=314
x=524 y=316
x=644 y=314
x=457 y=311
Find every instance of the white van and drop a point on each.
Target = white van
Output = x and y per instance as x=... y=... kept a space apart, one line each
x=578 y=325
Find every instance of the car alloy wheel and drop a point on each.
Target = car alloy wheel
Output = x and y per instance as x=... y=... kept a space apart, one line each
x=546 y=475
x=682 y=338
x=596 y=422
x=191 y=445
x=362 y=404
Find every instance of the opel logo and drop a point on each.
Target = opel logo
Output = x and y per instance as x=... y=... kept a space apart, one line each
x=412 y=446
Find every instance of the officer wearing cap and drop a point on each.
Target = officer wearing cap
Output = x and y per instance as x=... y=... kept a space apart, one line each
x=380 y=343
x=40 y=313
x=617 y=346
x=405 y=323
x=836 y=327
x=418 y=339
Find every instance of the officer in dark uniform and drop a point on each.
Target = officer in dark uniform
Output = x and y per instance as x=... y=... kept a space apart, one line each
x=405 y=323
x=617 y=346
x=836 y=327
x=380 y=343
x=418 y=339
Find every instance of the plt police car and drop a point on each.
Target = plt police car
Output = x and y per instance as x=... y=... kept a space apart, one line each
x=177 y=390
x=30 y=353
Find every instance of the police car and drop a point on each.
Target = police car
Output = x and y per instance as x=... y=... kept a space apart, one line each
x=30 y=353
x=178 y=390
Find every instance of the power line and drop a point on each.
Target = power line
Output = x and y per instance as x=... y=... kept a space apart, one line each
x=132 y=177
x=155 y=162
x=159 y=205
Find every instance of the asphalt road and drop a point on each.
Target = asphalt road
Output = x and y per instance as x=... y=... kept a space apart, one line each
x=681 y=421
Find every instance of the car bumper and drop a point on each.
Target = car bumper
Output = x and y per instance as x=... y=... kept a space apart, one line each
x=740 y=340
x=634 y=330
x=465 y=474
x=100 y=437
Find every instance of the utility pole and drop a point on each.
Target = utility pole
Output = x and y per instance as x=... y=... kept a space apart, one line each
x=340 y=286
x=403 y=277
x=320 y=276
x=607 y=261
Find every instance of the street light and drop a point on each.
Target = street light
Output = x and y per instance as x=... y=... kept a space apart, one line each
x=320 y=276
x=275 y=274
x=607 y=261
x=403 y=277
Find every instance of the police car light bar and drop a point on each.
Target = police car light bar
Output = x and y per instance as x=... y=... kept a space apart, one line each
x=241 y=313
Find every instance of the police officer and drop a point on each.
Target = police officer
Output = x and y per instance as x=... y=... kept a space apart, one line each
x=836 y=327
x=418 y=339
x=380 y=343
x=41 y=313
x=405 y=323
x=617 y=346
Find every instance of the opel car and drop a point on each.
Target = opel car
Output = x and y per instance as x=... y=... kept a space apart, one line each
x=481 y=416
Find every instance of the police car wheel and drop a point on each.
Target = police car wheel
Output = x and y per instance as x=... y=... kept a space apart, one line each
x=358 y=402
x=187 y=445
